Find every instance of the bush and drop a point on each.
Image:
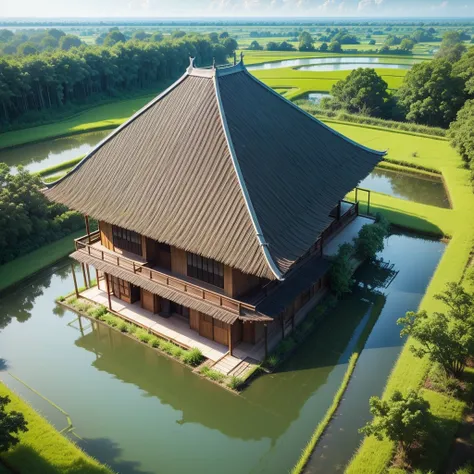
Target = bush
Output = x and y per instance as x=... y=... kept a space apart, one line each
x=167 y=346
x=155 y=342
x=212 y=374
x=340 y=275
x=142 y=335
x=177 y=351
x=193 y=357
x=272 y=360
x=371 y=237
x=123 y=327
x=235 y=383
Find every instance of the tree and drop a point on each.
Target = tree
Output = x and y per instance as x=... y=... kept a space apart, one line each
x=324 y=47
x=156 y=37
x=272 y=46
x=26 y=49
x=335 y=47
x=114 y=37
x=340 y=275
x=464 y=68
x=11 y=424
x=6 y=35
x=407 y=44
x=451 y=47
x=372 y=42
x=306 y=42
x=371 y=237
x=285 y=46
x=55 y=33
x=230 y=46
x=461 y=133
x=447 y=339
x=67 y=42
x=224 y=35
x=255 y=46
x=431 y=94
x=402 y=420
x=363 y=91
x=140 y=35
x=49 y=42
x=178 y=34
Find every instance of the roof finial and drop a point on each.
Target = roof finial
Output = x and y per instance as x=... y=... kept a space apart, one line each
x=235 y=58
x=213 y=63
x=191 y=64
x=242 y=58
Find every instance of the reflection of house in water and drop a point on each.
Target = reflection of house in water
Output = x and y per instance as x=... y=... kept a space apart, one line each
x=267 y=409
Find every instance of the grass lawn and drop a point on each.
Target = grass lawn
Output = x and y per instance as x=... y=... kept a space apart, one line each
x=43 y=450
x=26 y=265
x=301 y=82
x=96 y=118
x=373 y=457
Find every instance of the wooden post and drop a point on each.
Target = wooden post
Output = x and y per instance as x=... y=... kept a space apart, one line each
x=108 y=290
x=230 y=339
x=265 y=328
x=88 y=275
x=84 y=274
x=80 y=326
x=97 y=278
x=88 y=229
x=75 y=281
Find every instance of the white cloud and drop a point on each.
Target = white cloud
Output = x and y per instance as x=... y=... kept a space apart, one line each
x=367 y=4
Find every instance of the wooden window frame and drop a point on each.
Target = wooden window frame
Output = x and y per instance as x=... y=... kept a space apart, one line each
x=127 y=240
x=205 y=269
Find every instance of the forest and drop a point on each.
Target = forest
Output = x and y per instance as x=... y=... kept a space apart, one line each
x=30 y=85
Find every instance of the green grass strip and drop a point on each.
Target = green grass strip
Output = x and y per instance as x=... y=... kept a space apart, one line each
x=60 y=166
x=27 y=265
x=323 y=424
x=42 y=449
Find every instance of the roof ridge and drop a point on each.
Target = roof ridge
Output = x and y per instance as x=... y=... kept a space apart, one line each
x=248 y=202
x=335 y=132
x=120 y=128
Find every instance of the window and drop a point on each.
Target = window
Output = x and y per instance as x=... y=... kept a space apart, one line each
x=206 y=269
x=127 y=240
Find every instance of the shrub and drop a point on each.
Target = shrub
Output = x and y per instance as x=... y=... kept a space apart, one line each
x=167 y=346
x=235 y=383
x=60 y=299
x=272 y=360
x=371 y=237
x=340 y=275
x=176 y=351
x=440 y=381
x=123 y=326
x=193 y=357
x=142 y=335
x=212 y=374
x=110 y=319
x=155 y=342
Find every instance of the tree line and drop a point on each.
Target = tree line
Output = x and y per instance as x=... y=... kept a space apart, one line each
x=52 y=80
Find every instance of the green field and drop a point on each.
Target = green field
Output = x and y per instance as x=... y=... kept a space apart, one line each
x=301 y=82
x=43 y=450
x=96 y=118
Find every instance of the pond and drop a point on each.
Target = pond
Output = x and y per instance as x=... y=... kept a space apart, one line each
x=421 y=188
x=141 y=412
x=335 y=64
x=37 y=156
x=315 y=97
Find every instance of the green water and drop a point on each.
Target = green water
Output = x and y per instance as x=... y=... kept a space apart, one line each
x=140 y=412
x=38 y=156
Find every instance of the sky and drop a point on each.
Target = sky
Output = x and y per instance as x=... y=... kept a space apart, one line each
x=237 y=8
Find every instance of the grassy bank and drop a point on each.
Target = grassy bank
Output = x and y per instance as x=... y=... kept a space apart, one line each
x=97 y=118
x=409 y=372
x=43 y=450
x=26 y=265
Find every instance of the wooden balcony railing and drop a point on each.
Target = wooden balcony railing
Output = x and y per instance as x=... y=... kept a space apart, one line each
x=170 y=281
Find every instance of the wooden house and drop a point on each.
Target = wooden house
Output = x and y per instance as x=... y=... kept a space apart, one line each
x=214 y=203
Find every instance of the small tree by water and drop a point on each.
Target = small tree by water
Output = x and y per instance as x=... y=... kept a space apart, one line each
x=403 y=420
x=11 y=423
x=371 y=237
x=340 y=275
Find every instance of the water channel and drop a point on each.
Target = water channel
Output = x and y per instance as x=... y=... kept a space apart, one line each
x=38 y=156
x=142 y=413
x=335 y=64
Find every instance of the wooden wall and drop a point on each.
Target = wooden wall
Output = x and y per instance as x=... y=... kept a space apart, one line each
x=106 y=238
x=194 y=319
x=237 y=283
x=179 y=262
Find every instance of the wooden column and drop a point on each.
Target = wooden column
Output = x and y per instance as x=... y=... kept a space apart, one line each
x=84 y=274
x=75 y=281
x=230 y=339
x=88 y=275
x=88 y=229
x=108 y=290
x=265 y=328
x=97 y=278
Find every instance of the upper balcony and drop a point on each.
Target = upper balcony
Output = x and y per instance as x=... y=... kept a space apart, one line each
x=139 y=267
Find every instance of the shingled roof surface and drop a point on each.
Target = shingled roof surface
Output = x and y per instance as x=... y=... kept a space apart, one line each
x=222 y=166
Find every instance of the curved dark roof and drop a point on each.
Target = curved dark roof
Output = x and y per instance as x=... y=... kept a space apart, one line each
x=222 y=166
